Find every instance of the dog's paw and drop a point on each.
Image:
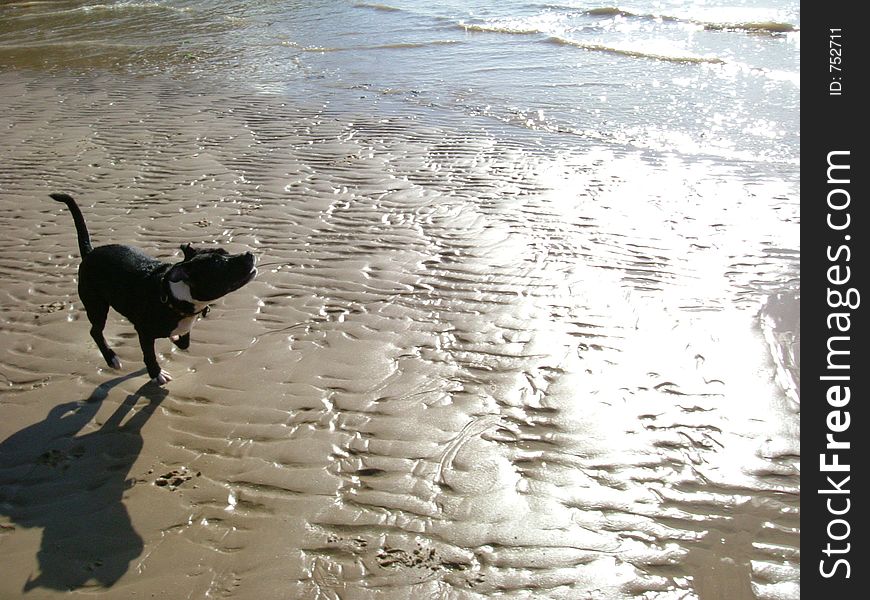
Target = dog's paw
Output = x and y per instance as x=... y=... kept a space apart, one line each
x=116 y=364
x=182 y=341
x=162 y=378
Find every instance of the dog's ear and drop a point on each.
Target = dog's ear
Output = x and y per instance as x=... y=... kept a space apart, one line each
x=189 y=252
x=177 y=273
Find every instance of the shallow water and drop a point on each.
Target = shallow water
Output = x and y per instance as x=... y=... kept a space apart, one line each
x=714 y=78
x=485 y=355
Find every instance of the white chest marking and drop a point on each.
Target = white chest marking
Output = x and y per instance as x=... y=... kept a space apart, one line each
x=181 y=291
x=184 y=326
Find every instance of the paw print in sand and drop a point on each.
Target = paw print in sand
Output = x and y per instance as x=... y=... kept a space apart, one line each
x=60 y=458
x=93 y=566
x=420 y=557
x=51 y=307
x=175 y=478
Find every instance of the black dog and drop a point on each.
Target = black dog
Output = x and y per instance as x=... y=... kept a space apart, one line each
x=159 y=299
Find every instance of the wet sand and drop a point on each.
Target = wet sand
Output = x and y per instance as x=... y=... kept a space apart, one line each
x=467 y=368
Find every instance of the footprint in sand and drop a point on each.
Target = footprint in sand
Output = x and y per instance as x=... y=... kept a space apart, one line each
x=396 y=557
x=50 y=308
x=60 y=458
x=175 y=478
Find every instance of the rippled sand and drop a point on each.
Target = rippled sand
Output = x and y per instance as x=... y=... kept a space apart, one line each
x=469 y=367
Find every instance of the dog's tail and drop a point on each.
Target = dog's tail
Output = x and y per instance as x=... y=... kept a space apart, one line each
x=79 y=220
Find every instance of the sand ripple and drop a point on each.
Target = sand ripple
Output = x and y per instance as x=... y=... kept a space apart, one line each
x=469 y=367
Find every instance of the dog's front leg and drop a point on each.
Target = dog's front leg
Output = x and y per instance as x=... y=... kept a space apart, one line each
x=158 y=375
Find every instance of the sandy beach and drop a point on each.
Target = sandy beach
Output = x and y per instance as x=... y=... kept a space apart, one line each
x=469 y=366
x=419 y=394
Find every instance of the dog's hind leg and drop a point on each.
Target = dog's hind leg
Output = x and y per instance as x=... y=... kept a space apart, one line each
x=158 y=375
x=98 y=310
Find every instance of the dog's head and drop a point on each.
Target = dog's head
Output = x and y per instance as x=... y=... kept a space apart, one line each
x=206 y=274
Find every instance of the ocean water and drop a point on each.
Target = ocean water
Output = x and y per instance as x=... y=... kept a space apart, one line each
x=526 y=323
x=705 y=79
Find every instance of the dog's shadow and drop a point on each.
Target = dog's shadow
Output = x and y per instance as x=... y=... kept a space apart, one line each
x=72 y=486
